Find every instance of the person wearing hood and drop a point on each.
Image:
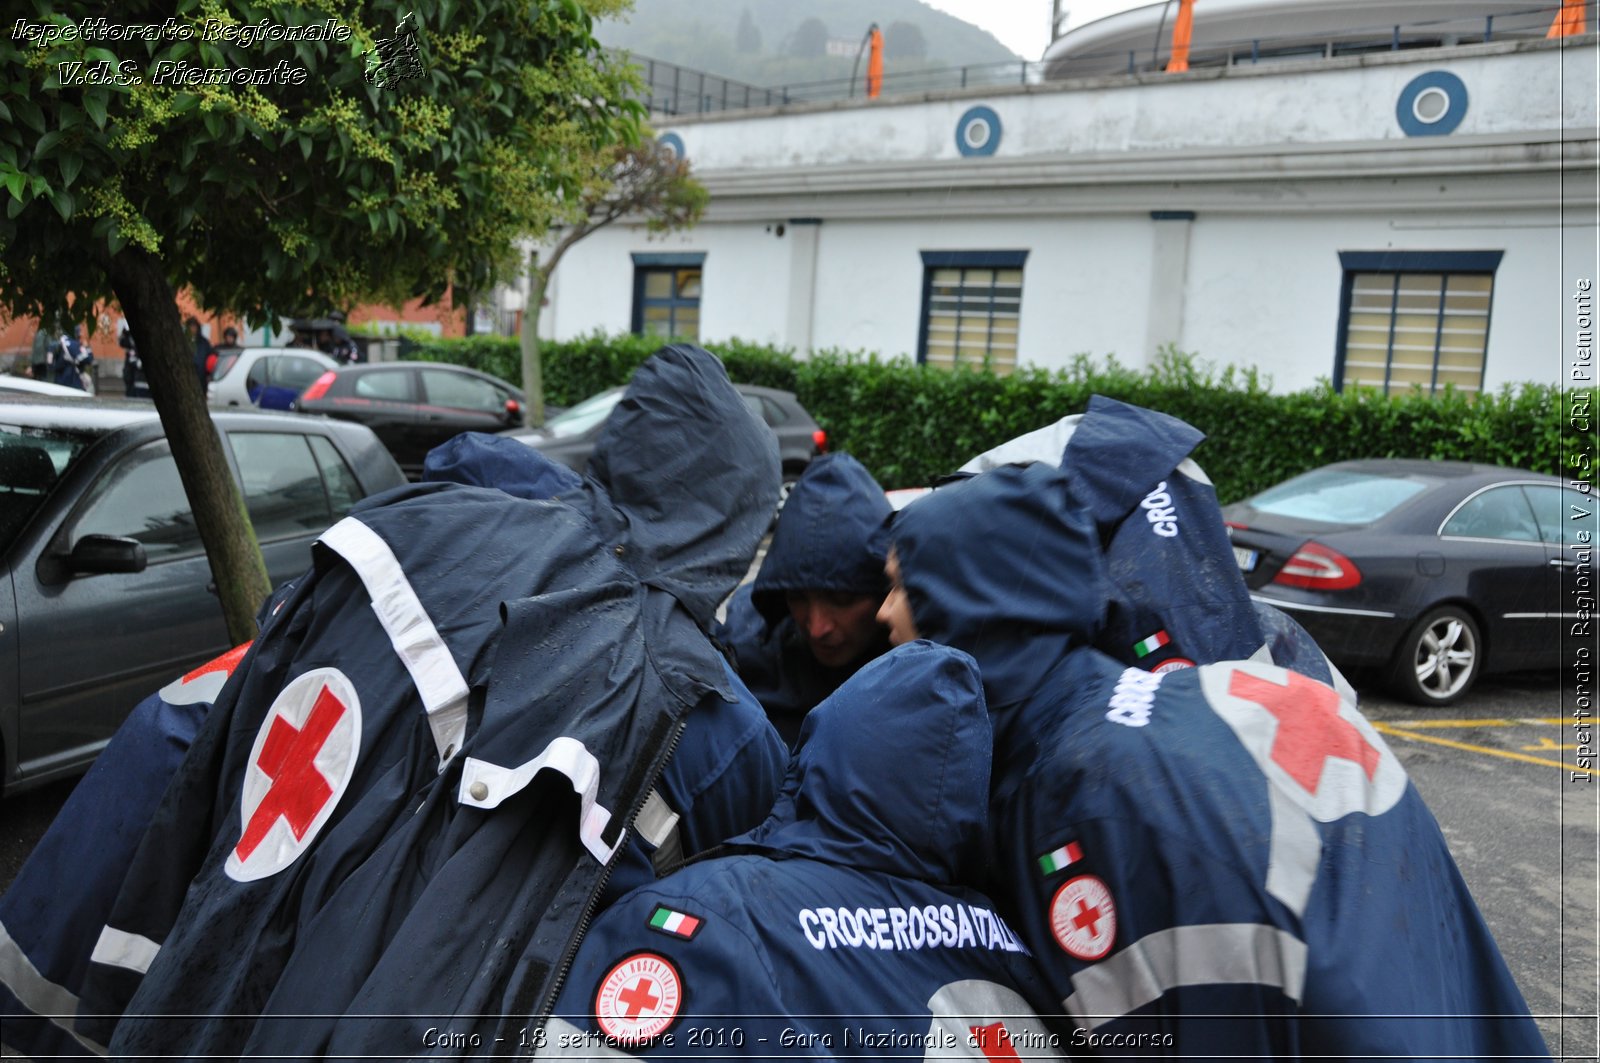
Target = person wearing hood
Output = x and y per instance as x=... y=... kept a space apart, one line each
x=809 y=619
x=1178 y=597
x=1223 y=860
x=842 y=926
x=403 y=808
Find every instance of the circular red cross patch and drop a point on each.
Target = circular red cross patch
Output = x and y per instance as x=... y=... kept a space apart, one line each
x=303 y=758
x=1083 y=919
x=638 y=999
x=1176 y=664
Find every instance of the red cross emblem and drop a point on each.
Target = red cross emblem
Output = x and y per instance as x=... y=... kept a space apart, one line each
x=1083 y=918
x=303 y=757
x=1310 y=729
x=638 y=999
x=994 y=1042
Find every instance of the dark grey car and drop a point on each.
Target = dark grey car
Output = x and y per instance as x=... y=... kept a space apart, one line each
x=570 y=436
x=106 y=593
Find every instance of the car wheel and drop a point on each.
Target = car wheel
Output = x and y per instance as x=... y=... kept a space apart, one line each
x=1439 y=659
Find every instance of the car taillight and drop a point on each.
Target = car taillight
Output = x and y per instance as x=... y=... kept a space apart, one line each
x=819 y=439
x=320 y=386
x=1319 y=568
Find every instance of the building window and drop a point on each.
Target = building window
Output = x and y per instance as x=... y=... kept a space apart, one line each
x=666 y=295
x=1415 y=319
x=971 y=308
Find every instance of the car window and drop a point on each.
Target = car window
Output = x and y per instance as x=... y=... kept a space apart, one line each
x=753 y=404
x=444 y=388
x=225 y=364
x=142 y=498
x=389 y=387
x=344 y=490
x=584 y=416
x=775 y=413
x=1562 y=513
x=294 y=371
x=31 y=462
x=1338 y=496
x=282 y=484
x=1498 y=513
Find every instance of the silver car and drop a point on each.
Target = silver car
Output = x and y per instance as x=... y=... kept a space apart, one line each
x=105 y=591
x=268 y=377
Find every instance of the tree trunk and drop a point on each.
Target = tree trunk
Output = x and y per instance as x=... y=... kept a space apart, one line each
x=469 y=299
x=220 y=516
x=532 y=362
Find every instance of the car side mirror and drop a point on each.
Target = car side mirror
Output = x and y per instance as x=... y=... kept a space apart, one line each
x=107 y=553
x=513 y=411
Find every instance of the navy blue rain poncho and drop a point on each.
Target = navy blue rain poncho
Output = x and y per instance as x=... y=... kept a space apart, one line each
x=841 y=926
x=830 y=537
x=1223 y=860
x=488 y=688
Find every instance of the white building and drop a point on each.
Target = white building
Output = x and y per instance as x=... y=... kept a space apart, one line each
x=1321 y=195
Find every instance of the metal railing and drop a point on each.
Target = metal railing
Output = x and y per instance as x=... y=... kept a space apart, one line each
x=672 y=90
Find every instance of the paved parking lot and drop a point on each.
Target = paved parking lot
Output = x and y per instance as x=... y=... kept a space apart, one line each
x=1498 y=771
x=1501 y=771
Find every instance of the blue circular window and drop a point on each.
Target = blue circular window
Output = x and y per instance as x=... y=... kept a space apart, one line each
x=673 y=143
x=978 y=132
x=1432 y=105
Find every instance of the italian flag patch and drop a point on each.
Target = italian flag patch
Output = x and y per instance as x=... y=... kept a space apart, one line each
x=678 y=924
x=1151 y=644
x=1055 y=861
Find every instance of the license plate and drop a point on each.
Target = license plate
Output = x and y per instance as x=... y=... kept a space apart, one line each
x=1247 y=558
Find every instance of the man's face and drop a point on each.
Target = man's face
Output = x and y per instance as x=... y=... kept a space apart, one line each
x=838 y=627
x=895 y=612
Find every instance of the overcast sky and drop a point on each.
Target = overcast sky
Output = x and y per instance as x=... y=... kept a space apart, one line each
x=1024 y=25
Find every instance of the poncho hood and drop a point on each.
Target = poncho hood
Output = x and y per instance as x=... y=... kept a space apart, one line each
x=892 y=772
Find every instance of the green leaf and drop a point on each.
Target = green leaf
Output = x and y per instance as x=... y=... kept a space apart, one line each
x=30 y=114
x=190 y=148
x=47 y=143
x=5 y=112
x=13 y=207
x=15 y=182
x=94 y=103
x=71 y=166
x=115 y=241
x=62 y=200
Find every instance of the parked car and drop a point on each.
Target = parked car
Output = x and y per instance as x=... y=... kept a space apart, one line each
x=414 y=406
x=1430 y=572
x=570 y=436
x=268 y=377
x=24 y=385
x=106 y=593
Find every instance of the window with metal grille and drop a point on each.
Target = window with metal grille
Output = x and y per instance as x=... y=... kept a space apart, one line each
x=1415 y=320
x=971 y=308
x=666 y=295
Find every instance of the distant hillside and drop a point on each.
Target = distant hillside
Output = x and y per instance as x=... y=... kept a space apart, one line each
x=772 y=43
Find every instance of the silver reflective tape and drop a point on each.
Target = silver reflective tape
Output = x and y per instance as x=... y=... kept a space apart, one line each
x=37 y=993
x=1216 y=954
x=119 y=948
x=410 y=629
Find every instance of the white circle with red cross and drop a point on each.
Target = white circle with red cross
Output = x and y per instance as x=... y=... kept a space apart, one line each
x=638 y=999
x=299 y=768
x=1083 y=919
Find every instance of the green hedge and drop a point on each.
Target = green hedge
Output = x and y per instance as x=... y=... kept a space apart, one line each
x=909 y=424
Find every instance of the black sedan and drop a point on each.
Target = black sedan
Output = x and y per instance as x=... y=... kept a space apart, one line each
x=570 y=436
x=414 y=406
x=105 y=590
x=1430 y=572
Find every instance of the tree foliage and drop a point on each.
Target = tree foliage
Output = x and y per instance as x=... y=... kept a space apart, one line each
x=644 y=181
x=257 y=156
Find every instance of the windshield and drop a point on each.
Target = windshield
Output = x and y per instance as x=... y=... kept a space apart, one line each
x=32 y=461
x=225 y=362
x=584 y=416
x=1337 y=496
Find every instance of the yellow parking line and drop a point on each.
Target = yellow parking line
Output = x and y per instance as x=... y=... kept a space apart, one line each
x=1398 y=732
x=1554 y=721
